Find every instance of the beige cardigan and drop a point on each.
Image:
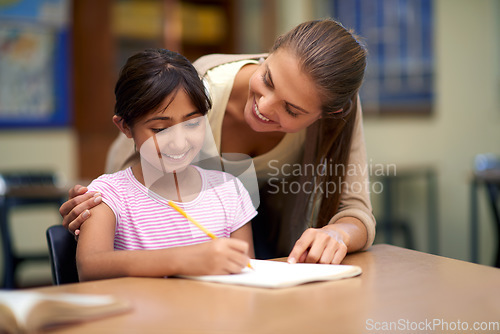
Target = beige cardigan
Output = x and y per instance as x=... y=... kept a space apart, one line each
x=219 y=72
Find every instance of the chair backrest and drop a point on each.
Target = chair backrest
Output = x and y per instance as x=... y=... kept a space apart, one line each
x=62 y=253
x=489 y=165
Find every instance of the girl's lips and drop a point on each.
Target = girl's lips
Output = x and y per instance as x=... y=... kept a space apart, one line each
x=258 y=115
x=176 y=157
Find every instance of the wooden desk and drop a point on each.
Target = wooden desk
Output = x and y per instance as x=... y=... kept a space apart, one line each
x=397 y=285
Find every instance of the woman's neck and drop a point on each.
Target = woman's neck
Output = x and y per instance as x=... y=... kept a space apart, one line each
x=239 y=92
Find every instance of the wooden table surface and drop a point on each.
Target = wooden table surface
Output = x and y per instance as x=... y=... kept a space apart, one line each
x=399 y=291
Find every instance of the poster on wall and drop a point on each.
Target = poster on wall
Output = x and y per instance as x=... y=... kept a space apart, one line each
x=34 y=64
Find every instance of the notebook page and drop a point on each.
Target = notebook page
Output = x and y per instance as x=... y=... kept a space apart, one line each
x=273 y=274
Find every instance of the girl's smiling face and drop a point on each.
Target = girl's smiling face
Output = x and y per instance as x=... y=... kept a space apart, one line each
x=170 y=137
x=281 y=96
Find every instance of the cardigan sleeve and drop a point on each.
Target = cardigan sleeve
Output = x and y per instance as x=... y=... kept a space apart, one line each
x=355 y=198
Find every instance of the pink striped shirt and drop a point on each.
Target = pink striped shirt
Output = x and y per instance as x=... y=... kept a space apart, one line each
x=144 y=220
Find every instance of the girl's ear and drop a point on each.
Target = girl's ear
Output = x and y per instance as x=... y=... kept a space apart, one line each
x=122 y=126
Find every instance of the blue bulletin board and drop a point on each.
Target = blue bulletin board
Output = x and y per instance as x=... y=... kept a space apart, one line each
x=34 y=64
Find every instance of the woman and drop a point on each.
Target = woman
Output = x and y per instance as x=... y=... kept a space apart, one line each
x=297 y=114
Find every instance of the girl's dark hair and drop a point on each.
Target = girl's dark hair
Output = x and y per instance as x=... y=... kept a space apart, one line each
x=150 y=76
x=335 y=60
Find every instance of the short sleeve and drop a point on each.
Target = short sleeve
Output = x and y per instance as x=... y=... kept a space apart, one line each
x=109 y=193
x=245 y=210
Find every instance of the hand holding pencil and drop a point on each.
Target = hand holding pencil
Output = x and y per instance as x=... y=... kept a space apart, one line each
x=197 y=224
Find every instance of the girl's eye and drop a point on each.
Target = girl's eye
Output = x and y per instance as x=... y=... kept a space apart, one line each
x=158 y=130
x=192 y=124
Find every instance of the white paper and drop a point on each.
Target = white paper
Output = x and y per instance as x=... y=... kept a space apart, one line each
x=274 y=274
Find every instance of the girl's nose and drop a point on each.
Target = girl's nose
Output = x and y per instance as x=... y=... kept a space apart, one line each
x=176 y=140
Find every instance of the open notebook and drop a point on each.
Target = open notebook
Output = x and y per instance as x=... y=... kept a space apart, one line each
x=274 y=274
x=29 y=312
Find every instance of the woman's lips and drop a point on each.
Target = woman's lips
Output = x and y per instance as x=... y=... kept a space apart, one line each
x=259 y=116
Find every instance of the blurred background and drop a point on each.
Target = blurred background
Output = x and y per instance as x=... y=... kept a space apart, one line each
x=431 y=101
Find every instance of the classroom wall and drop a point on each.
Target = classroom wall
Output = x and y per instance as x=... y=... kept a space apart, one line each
x=465 y=121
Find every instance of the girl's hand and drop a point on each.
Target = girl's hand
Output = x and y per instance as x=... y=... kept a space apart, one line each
x=76 y=209
x=320 y=245
x=217 y=257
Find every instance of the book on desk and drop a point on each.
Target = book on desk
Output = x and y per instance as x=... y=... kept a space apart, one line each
x=30 y=312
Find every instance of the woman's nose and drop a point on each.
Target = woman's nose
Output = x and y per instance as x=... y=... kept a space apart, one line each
x=268 y=103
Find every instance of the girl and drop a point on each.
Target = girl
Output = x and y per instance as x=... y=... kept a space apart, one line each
x=161 y=105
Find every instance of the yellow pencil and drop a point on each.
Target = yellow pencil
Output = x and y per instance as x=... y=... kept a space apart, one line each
x=201 y=227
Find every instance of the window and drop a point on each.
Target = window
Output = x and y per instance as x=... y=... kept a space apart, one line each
x=399 y=37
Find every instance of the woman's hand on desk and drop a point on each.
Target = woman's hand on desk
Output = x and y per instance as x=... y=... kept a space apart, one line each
x=330 y=243
x=319 y=245
x=76 y=209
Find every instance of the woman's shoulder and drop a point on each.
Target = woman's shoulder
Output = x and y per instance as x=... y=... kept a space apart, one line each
x=207 y=62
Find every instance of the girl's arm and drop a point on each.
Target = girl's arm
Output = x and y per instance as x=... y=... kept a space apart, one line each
x=97 y=259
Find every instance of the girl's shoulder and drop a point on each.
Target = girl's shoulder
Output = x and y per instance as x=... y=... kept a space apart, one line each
x=119 y=176
x=213 y=174
x=216 y=179
x=113 y=181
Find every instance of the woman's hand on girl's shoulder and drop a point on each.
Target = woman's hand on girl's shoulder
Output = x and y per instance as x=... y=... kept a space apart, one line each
x=320 y=245
x=76 y=209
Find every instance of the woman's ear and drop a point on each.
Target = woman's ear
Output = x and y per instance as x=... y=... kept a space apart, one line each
x=122 y=126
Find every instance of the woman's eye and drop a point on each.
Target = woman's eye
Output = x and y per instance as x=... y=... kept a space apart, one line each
x=265 y=80
x=290 y=112
x=158 y=130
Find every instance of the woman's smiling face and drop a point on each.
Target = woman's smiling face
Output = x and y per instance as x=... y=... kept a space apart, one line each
x=281 y=96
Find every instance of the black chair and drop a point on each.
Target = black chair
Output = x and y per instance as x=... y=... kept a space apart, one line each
x=487 y=171
x=62 y=252
x=23 y=189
